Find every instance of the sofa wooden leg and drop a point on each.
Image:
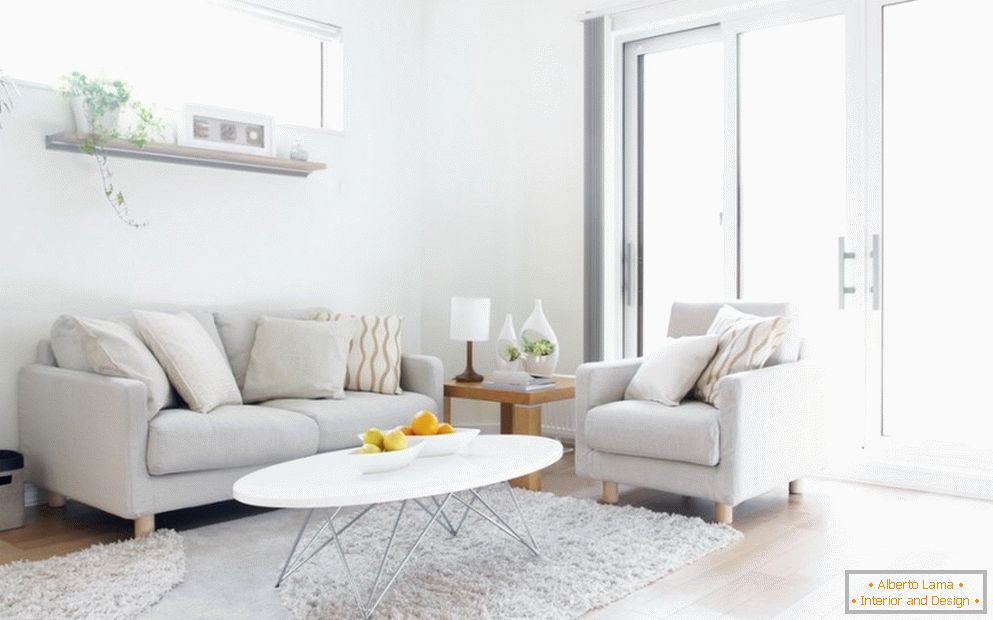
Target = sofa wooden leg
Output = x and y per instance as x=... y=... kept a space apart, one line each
x=56 y=500
x=610 y=495
x=144 y=525
x=796 y=487
x=723 y=513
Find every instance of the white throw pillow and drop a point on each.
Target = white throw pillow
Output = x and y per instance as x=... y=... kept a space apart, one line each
x=298 y=359
x=667 y=375
x=194 y=364
x=746 y=343
x=109 y=348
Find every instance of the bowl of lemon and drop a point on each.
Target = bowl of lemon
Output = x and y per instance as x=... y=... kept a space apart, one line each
x=383 y=451
x=437 y=439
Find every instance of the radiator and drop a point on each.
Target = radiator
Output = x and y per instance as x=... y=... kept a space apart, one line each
x=558 y=419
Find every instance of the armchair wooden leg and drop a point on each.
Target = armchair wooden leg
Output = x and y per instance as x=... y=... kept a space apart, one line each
x=610 y=494
x=144 y=525
x=796 y=487
x=723 y=513
x=56 y=500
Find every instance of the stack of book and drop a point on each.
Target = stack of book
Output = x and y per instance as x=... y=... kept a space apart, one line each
x=517 y=381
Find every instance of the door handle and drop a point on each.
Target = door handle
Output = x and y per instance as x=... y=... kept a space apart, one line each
x=843 y=290
x=876 y=290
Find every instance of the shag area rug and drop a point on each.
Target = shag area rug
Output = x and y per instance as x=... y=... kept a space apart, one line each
x=118 y=580
x=592 y=555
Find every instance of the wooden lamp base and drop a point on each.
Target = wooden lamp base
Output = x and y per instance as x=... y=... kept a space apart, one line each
x=469 y=375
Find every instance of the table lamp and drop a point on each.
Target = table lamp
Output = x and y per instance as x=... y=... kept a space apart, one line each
x=470 y=321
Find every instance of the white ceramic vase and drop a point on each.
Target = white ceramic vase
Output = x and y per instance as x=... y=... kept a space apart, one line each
x=535 y=329
x=106 y=123
x=507 y=346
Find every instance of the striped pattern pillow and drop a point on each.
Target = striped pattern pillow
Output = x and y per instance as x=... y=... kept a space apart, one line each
x=746 y=342
x=374 y=357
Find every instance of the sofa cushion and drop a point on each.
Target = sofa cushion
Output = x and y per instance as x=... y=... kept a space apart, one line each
x=340 y=421
x=196 y=368
x=237 y=332
x=689 y=433
x=113 y=349
x=229 y=436
x=298 y=359
x=67 y=346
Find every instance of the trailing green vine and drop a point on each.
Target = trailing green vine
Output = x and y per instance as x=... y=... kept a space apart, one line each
x=8 y=90
x=104 y=98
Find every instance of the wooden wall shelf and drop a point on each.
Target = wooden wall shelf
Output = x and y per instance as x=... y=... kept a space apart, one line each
x=193 y=156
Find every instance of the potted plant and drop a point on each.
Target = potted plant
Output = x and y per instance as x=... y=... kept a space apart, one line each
x=96 y=105
x=8 y=90
x=539 y=356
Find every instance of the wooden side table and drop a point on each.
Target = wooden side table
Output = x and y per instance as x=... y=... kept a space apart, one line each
x=520 y=412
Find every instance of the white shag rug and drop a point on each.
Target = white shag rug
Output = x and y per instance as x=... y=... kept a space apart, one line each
x=592 y=555
x=117 y=580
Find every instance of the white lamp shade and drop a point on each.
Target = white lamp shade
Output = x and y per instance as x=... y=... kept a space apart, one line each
x=470 y=319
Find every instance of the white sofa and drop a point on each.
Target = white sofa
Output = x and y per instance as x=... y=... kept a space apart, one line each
x=91 y=438
x=768 y=431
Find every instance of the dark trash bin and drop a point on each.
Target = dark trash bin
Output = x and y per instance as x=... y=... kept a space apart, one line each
x=11 y=489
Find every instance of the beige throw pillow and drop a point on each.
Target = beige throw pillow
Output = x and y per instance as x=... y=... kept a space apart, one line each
x=298 y=359
x=194 y=364
x=746 y=342
x=109 y=348
x=667 y=375
x=375 y=355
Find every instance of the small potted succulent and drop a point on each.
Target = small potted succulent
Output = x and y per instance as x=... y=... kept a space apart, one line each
x=96 y=105
x=539 y=360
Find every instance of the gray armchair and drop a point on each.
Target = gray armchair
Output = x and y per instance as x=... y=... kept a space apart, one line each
x=768 y=431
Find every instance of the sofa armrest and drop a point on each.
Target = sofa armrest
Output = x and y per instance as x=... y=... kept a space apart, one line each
x=772 y=425
x=598 y=383
x=423 y=374
x=84 y=435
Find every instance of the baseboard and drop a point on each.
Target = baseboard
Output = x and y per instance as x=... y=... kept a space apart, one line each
x=917 y=477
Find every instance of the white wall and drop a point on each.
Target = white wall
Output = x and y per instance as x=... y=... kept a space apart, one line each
x=503 y=184
x=348 y=237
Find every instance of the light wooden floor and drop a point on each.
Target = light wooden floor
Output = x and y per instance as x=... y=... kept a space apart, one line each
x=791 y=561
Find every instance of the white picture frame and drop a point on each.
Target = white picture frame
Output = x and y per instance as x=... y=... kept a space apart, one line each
x=222 y=129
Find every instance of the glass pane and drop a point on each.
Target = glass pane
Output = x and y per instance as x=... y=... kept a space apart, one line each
x=792 y=180
x=937 y=201
x=226 y=57
x=682 y=182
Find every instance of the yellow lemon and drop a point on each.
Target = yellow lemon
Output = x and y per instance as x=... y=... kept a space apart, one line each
x=394 y=440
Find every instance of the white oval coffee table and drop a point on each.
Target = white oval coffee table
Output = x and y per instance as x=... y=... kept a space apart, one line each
x=329 y=481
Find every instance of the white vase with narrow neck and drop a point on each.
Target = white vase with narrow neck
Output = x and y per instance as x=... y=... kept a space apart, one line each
x=508 y=349
x=534 y=329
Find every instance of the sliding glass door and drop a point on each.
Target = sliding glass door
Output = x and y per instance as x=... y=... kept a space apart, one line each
x=677 y=131
x=935 y=220
x=834 y=155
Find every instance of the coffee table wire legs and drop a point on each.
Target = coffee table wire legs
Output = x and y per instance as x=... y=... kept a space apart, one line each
x=367 y=604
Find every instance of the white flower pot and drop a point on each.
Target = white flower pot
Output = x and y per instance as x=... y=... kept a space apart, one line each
x=534 y=329
x=106 y=123
x=507 y=338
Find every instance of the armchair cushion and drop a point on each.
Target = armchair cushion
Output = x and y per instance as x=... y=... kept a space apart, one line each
x=746 y=343
x=693 y=319
x=689 y=433
x=667 y=375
